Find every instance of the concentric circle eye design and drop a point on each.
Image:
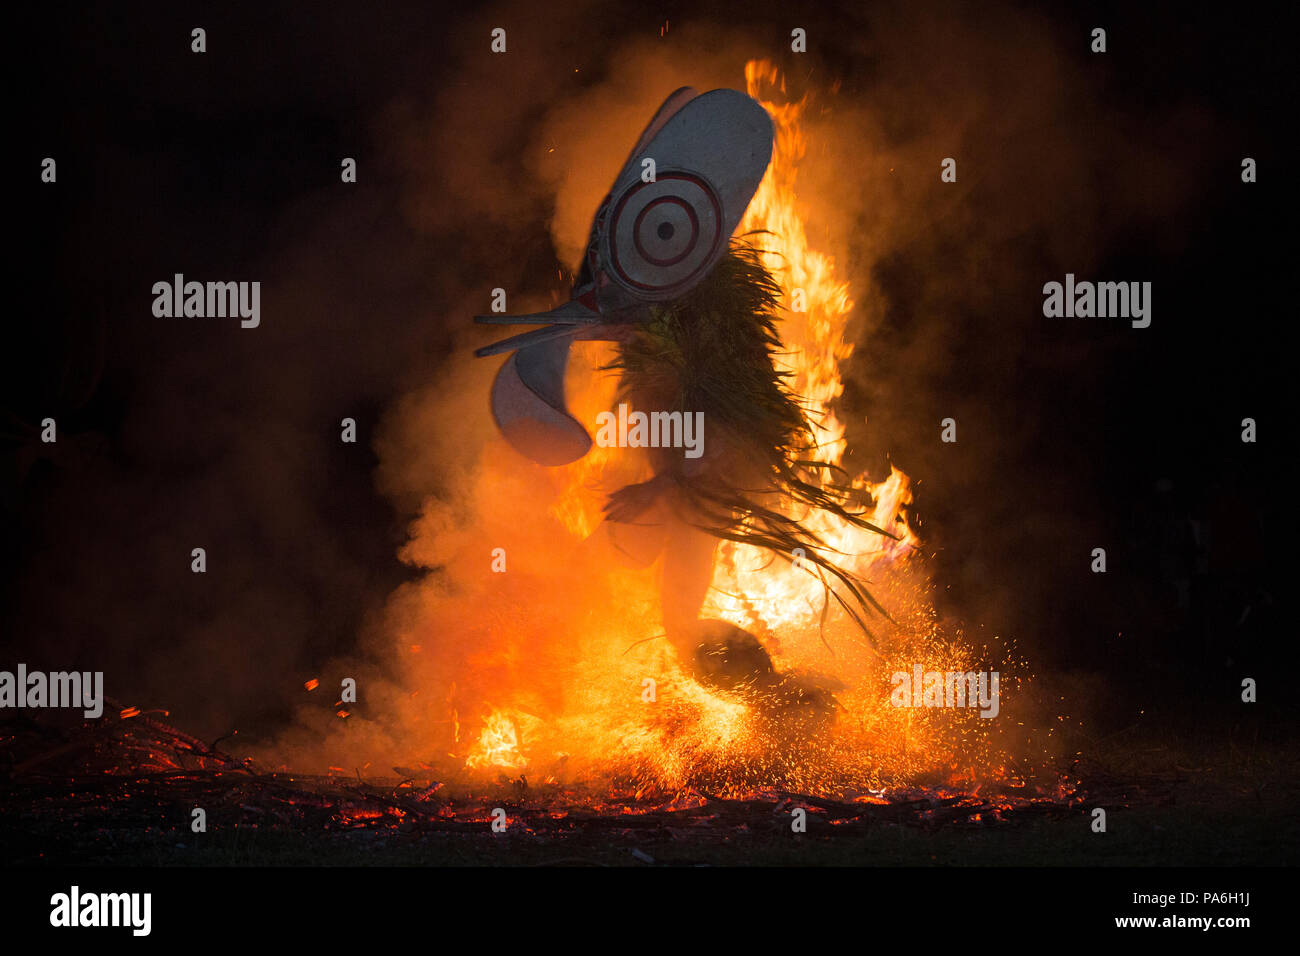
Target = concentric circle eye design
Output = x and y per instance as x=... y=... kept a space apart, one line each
x=664 y=235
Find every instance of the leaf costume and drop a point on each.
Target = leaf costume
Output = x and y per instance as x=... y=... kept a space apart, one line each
x=694 y=315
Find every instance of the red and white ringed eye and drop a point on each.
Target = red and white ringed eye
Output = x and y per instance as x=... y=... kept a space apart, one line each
x=663 y=235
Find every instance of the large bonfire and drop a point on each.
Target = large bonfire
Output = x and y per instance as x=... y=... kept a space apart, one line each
x=605 y=701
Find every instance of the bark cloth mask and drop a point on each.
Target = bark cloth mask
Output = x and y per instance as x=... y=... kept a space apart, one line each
x=650 y=242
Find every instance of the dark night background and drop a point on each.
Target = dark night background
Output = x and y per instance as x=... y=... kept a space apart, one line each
x=180 y=433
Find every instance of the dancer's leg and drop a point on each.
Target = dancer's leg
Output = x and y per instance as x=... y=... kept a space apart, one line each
x=685 y=578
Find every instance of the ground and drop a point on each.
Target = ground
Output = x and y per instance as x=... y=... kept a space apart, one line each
x=1225 y=800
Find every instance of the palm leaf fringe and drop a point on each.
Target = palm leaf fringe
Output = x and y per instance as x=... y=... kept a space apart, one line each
x=712 y=350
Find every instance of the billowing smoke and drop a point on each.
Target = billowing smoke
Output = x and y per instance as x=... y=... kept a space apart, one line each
x=483 y=171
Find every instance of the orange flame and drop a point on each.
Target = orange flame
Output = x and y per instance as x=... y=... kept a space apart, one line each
x=625 y=706
x=498 y=744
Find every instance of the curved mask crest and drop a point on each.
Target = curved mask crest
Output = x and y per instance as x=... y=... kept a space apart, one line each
x=651 y=241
